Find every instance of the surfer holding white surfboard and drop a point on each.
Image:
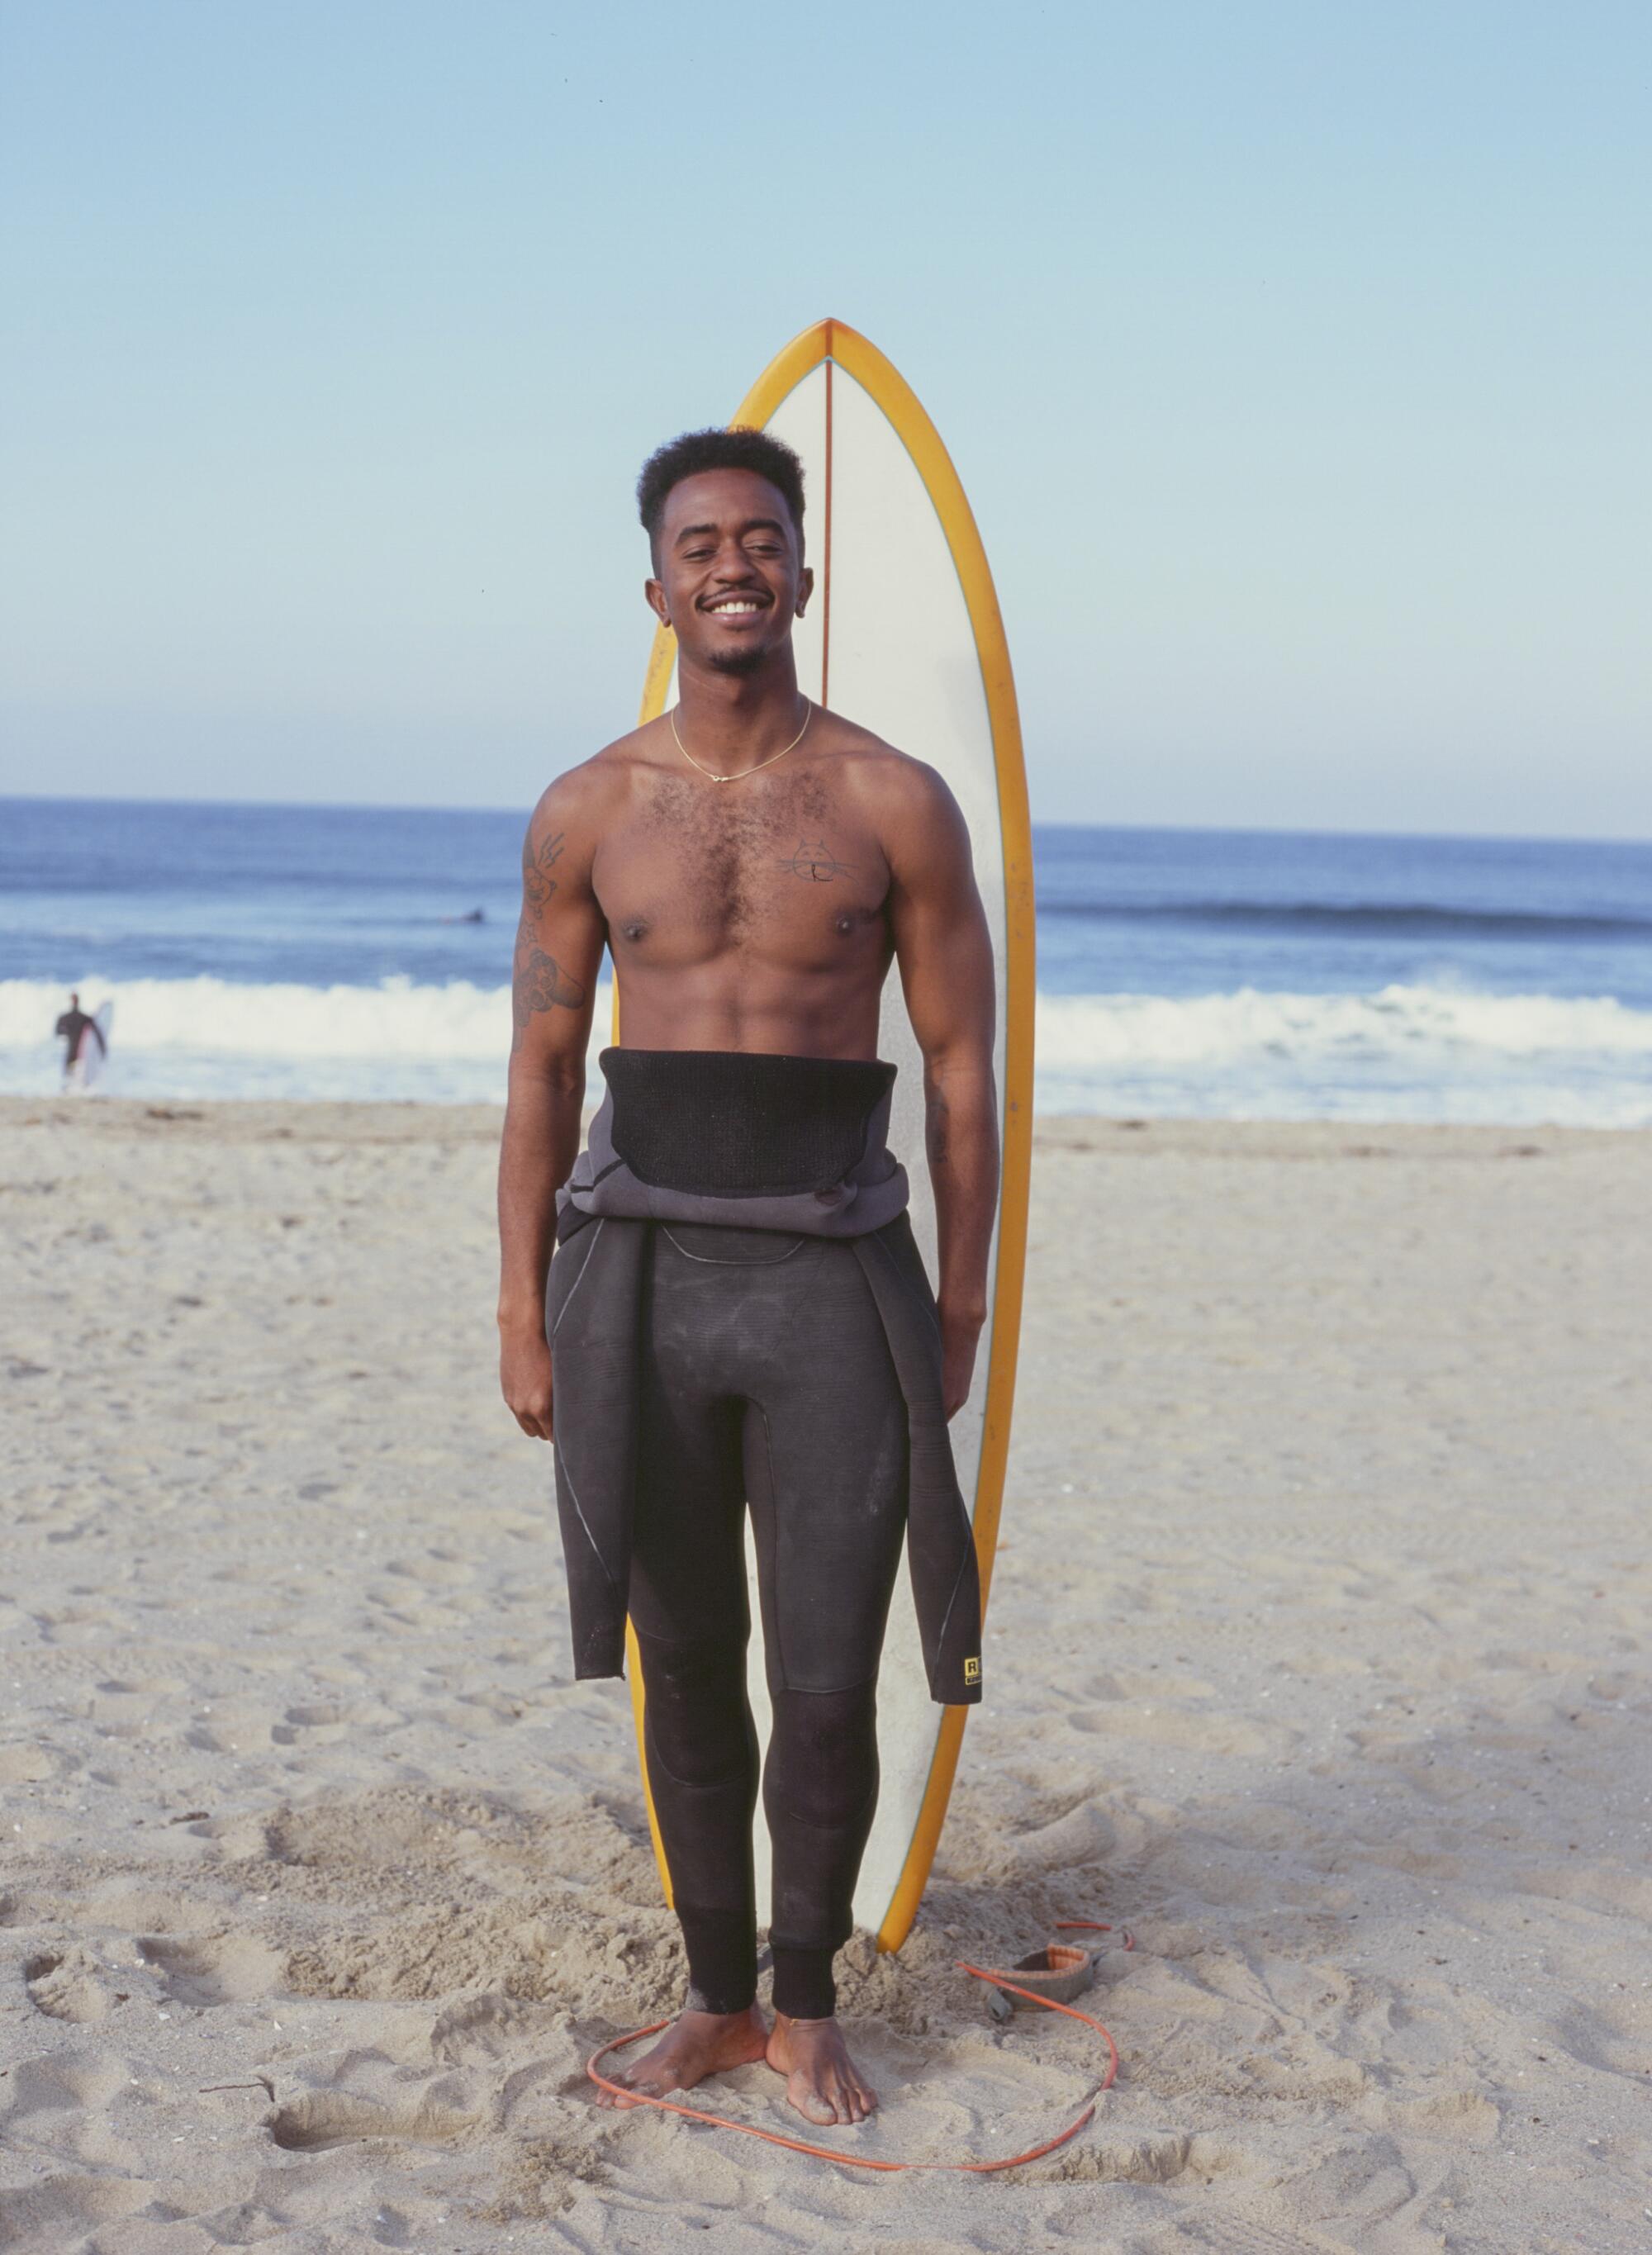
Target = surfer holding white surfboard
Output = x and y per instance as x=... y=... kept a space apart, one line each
x=85 y=1040
x=736 y=1314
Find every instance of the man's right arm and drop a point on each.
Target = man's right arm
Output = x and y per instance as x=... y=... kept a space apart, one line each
x=558 y=952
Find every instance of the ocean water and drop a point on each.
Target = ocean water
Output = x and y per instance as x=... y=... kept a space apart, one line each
x=302 y=952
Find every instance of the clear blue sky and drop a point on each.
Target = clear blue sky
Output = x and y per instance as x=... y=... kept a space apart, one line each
x=1296 y=358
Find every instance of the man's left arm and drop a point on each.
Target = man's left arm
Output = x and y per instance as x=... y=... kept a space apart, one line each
x=945 y=952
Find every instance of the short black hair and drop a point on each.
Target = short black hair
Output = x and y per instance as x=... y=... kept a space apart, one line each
x=717 y=449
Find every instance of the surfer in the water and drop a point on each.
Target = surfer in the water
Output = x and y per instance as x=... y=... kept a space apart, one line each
x=78 y=1032
x=736 y=1311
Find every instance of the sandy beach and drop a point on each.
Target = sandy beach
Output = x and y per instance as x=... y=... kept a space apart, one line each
x=1317 y=1661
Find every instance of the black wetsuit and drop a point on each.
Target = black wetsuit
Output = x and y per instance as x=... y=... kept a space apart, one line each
x=72 y=1028
x=766 y=1378
x=703 y=1367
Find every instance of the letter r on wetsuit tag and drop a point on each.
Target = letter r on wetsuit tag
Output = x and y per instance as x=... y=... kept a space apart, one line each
x=972 y=1671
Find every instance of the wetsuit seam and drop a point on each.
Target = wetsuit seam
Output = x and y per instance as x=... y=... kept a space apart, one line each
x=577 y=1281
x=578 y=1510
x=940 y=1640
x=774 y=1515
x=695 y=1784
x=828 y=1690
x=706 y=1261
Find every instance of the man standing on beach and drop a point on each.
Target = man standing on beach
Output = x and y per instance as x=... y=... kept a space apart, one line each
x=736 y=1314
x=78 y=1032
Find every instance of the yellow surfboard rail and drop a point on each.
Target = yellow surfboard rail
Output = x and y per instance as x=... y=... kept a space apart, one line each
x=834 y=341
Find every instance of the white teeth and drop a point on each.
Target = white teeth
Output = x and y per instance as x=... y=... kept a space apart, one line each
x=727 y=607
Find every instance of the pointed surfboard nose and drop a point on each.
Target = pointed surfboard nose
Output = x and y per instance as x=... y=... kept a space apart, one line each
x=890 y=534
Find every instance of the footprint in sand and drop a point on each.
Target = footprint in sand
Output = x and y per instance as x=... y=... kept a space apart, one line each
x=67 y=1985
x=219 y=1972
x=56 y=2082
x=322 y=2118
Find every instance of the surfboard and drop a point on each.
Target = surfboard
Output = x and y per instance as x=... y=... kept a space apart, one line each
x=97 y=1051
x=92 y=1056
x=891 y=537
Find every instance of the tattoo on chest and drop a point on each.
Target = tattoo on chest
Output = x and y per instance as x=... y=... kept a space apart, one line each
x=815 y=862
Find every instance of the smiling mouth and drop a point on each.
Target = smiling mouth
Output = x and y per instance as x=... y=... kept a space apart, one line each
x=736 y=606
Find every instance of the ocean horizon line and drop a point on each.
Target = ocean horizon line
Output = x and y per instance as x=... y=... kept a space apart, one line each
x=1081 y=827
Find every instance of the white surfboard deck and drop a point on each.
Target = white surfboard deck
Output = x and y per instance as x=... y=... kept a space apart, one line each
x=903 y=636
x=93 y=1055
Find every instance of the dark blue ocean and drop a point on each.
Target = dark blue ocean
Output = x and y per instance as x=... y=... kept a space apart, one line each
x=326 y=951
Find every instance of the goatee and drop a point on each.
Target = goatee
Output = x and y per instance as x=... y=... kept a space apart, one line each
x=738 y=661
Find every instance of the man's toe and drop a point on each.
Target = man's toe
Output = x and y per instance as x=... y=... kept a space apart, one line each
x=814 y=2106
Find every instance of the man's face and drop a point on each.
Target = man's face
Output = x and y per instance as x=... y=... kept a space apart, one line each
x=732 y=577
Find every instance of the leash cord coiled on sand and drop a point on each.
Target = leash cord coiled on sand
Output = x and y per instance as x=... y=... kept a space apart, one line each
x=996 y=1980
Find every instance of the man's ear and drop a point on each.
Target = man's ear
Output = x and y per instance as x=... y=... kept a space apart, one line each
x=806 y=587
x=654 y=596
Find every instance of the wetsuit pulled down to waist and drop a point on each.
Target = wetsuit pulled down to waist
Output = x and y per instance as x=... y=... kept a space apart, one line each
x=706 y=1367
x=759 y=1141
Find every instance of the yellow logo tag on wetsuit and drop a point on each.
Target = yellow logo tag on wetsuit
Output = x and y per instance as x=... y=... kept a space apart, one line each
x=972 y=1671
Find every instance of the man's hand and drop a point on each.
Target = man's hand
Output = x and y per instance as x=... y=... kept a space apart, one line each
x=524 y=1379
x=960 y=1334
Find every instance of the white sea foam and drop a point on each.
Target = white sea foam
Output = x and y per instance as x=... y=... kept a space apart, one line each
x=215 y=1038
x=1421 y=1053
x=1405 y=1052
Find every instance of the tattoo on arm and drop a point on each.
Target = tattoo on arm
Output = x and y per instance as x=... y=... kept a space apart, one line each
x=536 y=887
x=542 y=984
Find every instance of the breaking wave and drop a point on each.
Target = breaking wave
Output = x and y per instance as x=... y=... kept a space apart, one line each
x=1419 y=1052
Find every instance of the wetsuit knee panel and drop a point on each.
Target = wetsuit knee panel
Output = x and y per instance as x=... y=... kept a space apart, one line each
x=696 y=1715
x=822 y=1769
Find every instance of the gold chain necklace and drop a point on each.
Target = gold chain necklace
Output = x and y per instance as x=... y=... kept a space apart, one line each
x=741 y=774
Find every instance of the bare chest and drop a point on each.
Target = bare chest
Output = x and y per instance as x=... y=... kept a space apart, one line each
x=779 y=866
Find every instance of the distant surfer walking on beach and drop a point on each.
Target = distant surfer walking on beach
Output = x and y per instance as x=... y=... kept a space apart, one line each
x=83 y=1040
x=722 y=1290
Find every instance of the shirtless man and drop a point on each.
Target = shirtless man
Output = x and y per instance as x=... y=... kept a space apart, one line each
x=731 y=1299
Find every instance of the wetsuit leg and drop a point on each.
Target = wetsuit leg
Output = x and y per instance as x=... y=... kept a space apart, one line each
x=767 y=1376
x=688 y=1608
x=826 y=1451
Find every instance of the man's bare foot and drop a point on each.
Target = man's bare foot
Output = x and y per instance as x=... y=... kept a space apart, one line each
x=695 y=2045
x=822 y=2081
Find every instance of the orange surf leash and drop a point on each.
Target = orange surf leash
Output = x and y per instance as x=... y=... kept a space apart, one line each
x=862 y=2160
